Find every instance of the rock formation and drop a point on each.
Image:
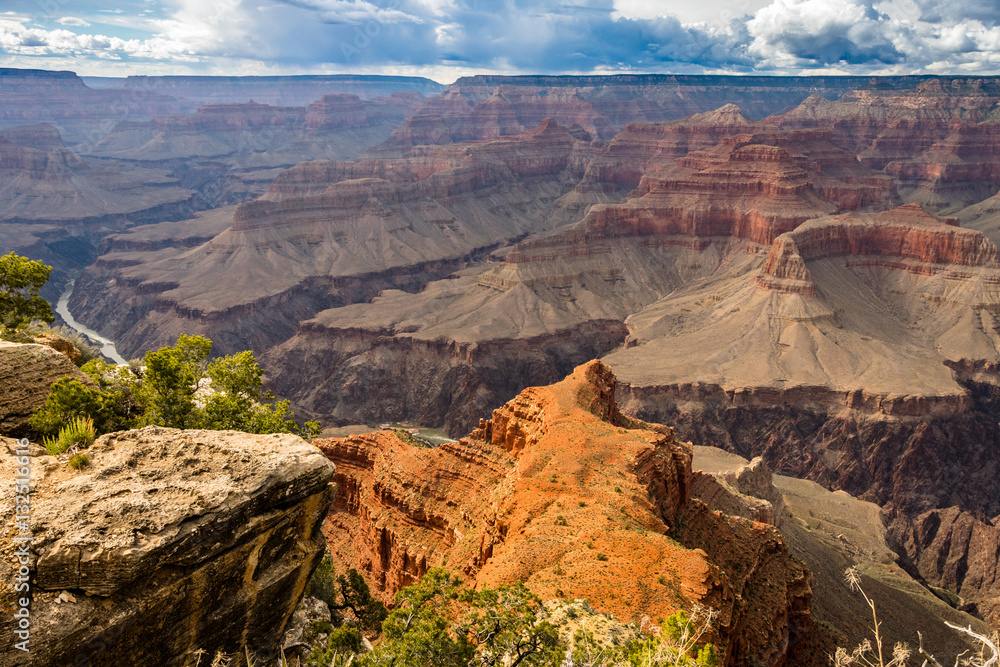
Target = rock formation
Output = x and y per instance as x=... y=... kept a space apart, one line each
x=42 y=181
x=168 y=543
x=487 y=107
x=80 y=113
x=330 y=233
x=830 y=531
x=27 y=372
x=939 y=140
x=958 y=551
x=286 y=91
x=561 y=491
x=561 y=297
x=253 y=135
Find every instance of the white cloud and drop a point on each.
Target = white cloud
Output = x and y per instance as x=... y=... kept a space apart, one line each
x=72 y=20
x=578 y=36
x=18 y=39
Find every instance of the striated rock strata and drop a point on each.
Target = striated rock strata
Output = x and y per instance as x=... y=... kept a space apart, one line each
x=561 y=297
x=252 y=135
x=488 y=106
x=335 y=233
x=169 y=542
x=561 y=491
x=958 y=551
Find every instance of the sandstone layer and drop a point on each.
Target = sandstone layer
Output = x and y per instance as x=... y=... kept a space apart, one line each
x=561 y=491
x=939 y=139
x=168 y=543
x=27 y=372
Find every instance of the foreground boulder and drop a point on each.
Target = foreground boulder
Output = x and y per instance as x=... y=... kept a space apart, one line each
x=171 y=542
x=561 y=491
x=27 y=372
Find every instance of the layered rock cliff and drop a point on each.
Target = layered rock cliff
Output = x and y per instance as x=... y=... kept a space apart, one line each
x=168 y=544
x=561 y=491
x=939 y=140
x=958 y=551
x=486 y=107
x=81 y=113
x=331 y=234
x=253 y=135
x=42 y=180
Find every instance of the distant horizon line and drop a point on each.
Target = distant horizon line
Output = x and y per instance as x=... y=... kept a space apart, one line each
x=6 y=71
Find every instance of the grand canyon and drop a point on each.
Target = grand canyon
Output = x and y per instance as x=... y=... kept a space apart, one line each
x=687 y=341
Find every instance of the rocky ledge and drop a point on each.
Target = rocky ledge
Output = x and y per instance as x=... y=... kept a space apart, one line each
x=170 y=542
x=26 y=374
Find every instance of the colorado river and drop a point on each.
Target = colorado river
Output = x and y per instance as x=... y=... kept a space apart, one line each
x=108 y=348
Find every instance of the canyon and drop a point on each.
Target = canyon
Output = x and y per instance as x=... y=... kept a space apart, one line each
x=562 y=491
x=804 y=270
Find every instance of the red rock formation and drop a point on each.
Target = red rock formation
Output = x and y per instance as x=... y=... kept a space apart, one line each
x=487 y=107
x=937 y=140
x=906 y=238
x=752 y=186
x=561 y=491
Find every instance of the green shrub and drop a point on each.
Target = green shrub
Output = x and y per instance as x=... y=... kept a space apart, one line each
x=79 y=433
x=79 y=461
x=164 y=391
x=341 y=645
x=70 y=400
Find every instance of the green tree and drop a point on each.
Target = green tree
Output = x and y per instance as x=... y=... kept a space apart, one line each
x=421 y=629
x=170 y=379
x=357 y=597
x=120 y=387
x=237 y=400
x=20 y=280
x=177 y=387
x=505 y=625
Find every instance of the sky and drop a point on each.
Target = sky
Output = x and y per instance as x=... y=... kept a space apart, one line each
x=445 y=39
